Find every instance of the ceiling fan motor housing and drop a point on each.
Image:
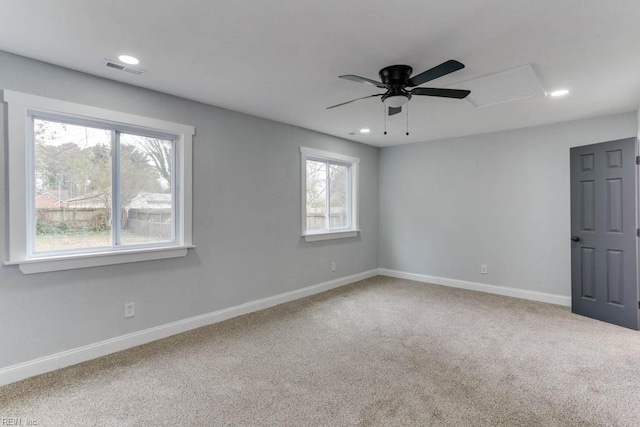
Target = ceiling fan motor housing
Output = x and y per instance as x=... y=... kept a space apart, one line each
x=396 y=74
x=396 y=77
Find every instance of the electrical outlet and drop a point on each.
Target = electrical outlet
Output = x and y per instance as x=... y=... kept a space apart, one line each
x=483 y=269
x=129 y=309
x=333 y=266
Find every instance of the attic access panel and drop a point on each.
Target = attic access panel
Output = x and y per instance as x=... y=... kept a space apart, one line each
x=504 y=86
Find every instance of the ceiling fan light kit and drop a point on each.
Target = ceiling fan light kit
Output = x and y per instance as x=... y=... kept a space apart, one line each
x=396 y=101
x=397 y=78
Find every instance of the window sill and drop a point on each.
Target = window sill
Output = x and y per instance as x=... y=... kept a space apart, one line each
x=75 y=261
x=314 y=237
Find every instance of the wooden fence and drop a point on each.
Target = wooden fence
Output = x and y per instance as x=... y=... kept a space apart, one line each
x=73 y=216
x=318 y=221
x=143 y=222
x=149 y=222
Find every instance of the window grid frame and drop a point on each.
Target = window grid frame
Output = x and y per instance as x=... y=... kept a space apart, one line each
x=352 y=163
x=328 y=228
x=19 y=106
x=116 y=190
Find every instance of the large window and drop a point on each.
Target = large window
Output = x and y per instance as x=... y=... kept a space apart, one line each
x=91 y=187
x=329 y=195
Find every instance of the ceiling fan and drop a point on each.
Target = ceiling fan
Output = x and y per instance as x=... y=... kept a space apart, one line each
x=397 y=78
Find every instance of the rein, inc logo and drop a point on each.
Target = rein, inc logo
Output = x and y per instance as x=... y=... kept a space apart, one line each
x=17 y=422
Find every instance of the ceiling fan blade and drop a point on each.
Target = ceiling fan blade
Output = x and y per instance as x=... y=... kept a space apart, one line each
x=442 y=93
x=394 y=110
x=363 y=80
x=441 y=70
x=354 y=100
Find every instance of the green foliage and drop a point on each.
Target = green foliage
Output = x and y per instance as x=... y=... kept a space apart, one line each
x=78 y=160
x=100 y=222
x=51 y=228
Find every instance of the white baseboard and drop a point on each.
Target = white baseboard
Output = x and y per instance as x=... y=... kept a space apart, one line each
x=60 y=360
x=482 y=287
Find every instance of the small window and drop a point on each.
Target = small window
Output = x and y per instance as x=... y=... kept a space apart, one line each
x=93 y=187
x=329 y=195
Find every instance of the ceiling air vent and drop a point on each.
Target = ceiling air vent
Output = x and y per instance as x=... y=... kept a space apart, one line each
x=116 y=66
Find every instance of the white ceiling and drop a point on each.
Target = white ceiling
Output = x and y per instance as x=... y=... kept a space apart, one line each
x=280 y=59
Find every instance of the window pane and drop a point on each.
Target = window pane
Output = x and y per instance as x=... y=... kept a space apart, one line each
x=338 y=177
x=72 y=178
x=145 y=189
x=316 y=195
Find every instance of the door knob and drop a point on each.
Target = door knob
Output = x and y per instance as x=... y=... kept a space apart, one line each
x=575 y=239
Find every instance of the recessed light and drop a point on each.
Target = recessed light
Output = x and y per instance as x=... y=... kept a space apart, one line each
x=365 y=130
x=560 y=92
x=131 y=60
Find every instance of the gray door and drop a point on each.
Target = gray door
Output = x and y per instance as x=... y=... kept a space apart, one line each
x=604 y=284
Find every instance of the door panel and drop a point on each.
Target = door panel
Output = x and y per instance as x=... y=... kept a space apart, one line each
x=588 y=207
x=614 y=204
x=615 y=274
x=588 y=279
x=603 y=232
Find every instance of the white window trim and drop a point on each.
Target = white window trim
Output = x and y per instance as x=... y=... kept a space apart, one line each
x=19 y=107
x=354 y=162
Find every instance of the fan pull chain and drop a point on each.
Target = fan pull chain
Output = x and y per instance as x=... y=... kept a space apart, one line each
x=384 y=113
x=407 y=106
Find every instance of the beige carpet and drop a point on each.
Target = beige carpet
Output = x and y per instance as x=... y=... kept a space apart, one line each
x=380 y=352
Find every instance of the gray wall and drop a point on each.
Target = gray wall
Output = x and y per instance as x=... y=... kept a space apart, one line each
x=246 y=225
x=445 y=207
x=500 y=199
